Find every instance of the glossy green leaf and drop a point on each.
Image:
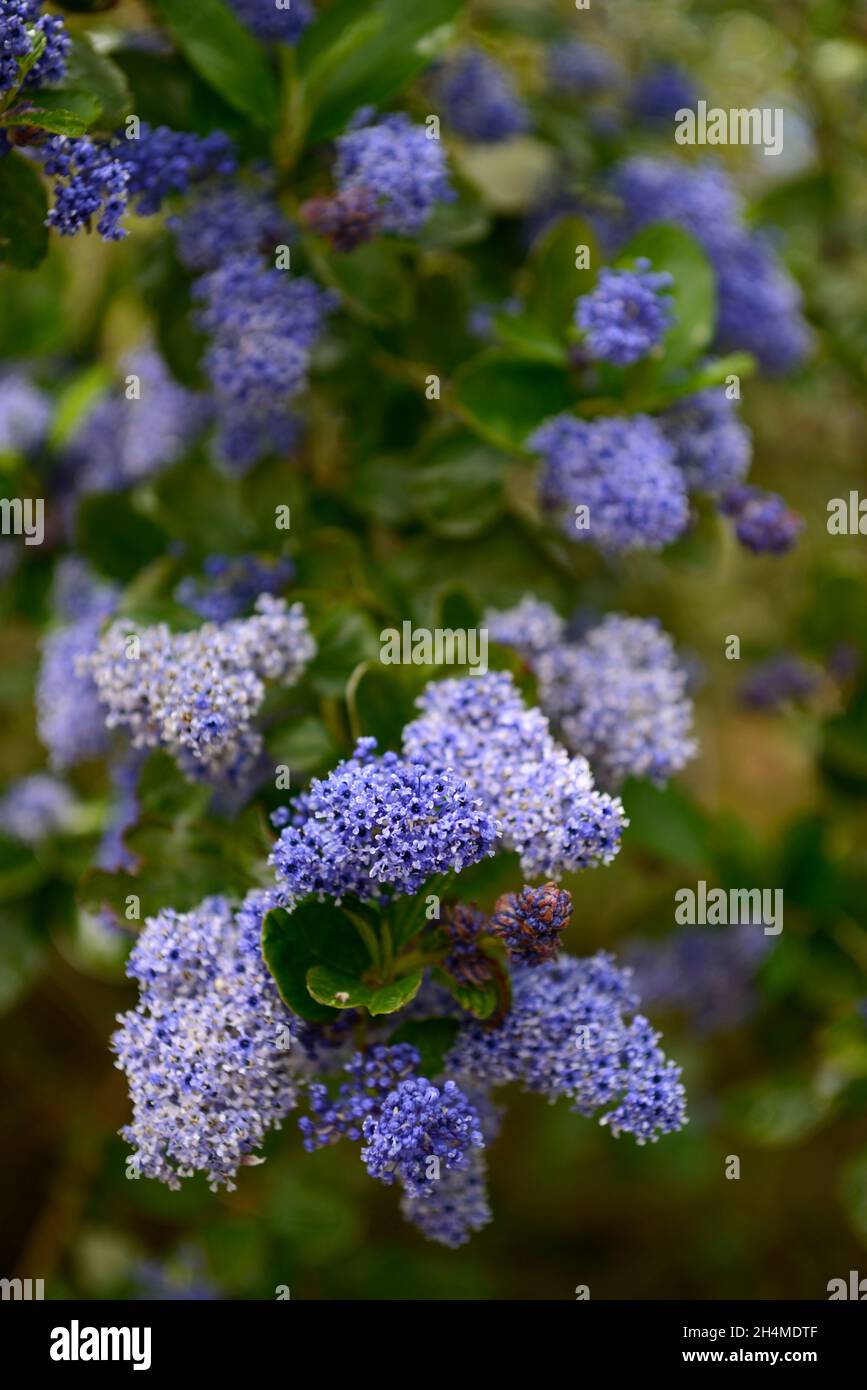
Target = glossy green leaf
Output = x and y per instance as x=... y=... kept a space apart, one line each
x=223 y=51
x=23 y=210
x=506 y=399
x=331 y=987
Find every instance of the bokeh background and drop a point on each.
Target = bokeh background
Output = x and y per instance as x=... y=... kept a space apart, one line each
x=774 y=1049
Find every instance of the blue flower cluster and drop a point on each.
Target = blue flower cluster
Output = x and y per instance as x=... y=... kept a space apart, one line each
x=208 y=1051
x=623 y=471
x=35 y=807
x=25 y=414
x=544 y=802
x=617 y=695
x=129 y=436
x=275 y=21
x=21 y=25
x=706 y=975
x=625 y=316
x=264 y=325
x=759 y=307
x=568 y=1034
x=373 y=1075
x=713 y=448
x=70 y=720
x=197 y=693
x=225 y=220
x=160 y=162
x=380 y=823
x=394 y=161
x=661 y=92
x=232 y=584
x=478 y=99
x=764 y=521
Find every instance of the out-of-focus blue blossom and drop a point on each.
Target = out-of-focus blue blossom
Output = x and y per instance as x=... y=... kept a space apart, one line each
x=545 y=803
x=380 y=823
x=778 y=680
x=232 y=584
x=713 y=447
x=70 y=719
x=624 y=316
x=568 y=1034
x=25 y=413
x=228 y=220
x=275 y=21
x=35 y=807
x=125 y=771
x=704 y=973
x=764 y=521
x=661 y=92
x=393 y=159
x=582 y=68
x=623 y=470
x=478 y=99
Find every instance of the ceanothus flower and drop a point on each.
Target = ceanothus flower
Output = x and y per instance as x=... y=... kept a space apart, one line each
x=275 y=21
x=661 y=92
x=208 y=1051
x=418 y=1132
x=373 y=1075
x=530 y=922
x=35 y=807
x=708 y=976
x=478 y=98
x=160 y=161
x=70 y=719
x=226 y=221
x=545 y=803
x=764 y=521
x=25 y=413
x=457 y=1204
x=264 y=325
x=713 y=448
x=777 y=680
x=380 y=823
x=90 y=181
x=624 y=316
x=568 y=1034
x=125 y=771
x=197 y=693
x=623 y=471
x=126 y=438
x=394 y=160
x=232 y=584
x=582 y=68
x=759 y=305
x=21 y=23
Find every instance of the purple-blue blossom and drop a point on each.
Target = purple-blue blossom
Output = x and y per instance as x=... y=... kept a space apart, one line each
x=35 y=807
x=228 y=220
x=764 y=521
x=275 y=21
x=545 y=803
x=70 y=719
x=420 y=1131
x=380 y=823
x=90 y=183
x=661 y=92
x=778 y=680
x=395 y=161
x=231 y=585
x=582 y=68
x=713 y=448
x=478 y=99
x=569 y=1034
x=160 y=161
x=372 y=1076
x=208 y=1051
x=706 y=975
x=625 y=315
x=623 y=471
x=25 y=413
x=22 y=22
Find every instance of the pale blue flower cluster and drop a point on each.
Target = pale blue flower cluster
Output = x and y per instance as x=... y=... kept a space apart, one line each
x=624 y=316
x=478 y=99
x=394 y=160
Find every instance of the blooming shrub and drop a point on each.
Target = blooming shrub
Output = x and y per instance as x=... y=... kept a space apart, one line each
x=381 y=322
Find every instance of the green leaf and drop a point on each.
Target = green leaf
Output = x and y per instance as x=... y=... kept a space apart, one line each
x=458 y=488
x=479 y=1000
x=115 y=537
x=312 y=934
x=431 y=1037
x=61 y=112
x=23 y=210
x=373 y=280
x=91 y=74
x=331 y=987
x=507 y=399
x=20 y=870
x=366 y=51
x=222 y=51
x=670 y=248
x=379 y=703
x=552 y=282
x=347 y=639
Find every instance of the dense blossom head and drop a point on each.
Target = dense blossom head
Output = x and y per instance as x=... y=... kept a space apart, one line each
x=272 y=22
x=478 y=99
x=22 y=24
x=759 y=305
x=380 y=822
x=544 y=801
x=712 y=446
x=90 y=184
x=264 y=324
x=228 y=220
x=764 y=521
x=618 y=696
x=531 y=627
x=126 y=437
x=197 y=693
x=25 y=413
x=372 y=1076
x=621 y=469
x=160 y=161
x=707 y=975
x=625 y=315
x=661 y=92
x=231 y=584
x=530 y=922
x=419 y=1131
x=568 y=1033
x=395 y=161
x=208 y=1051
x=36 y=807
x=457 y=1204
x=70 y=719
x=582 y=68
